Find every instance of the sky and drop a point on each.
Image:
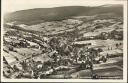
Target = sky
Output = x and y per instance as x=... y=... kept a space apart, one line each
x=16 y=5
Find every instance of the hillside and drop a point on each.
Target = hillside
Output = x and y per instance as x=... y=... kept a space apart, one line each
x=38 y=15
x=73 y=42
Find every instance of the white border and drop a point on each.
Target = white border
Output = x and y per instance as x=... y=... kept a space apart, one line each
x=74 y=80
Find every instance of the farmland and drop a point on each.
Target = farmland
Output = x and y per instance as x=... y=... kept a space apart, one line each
x=80 y=47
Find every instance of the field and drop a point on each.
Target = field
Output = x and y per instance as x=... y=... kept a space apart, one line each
x=72 y=45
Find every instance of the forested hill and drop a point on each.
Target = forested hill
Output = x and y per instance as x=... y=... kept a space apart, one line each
x=59 y=13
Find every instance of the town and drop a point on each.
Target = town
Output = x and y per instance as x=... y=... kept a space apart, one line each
x=82 y=47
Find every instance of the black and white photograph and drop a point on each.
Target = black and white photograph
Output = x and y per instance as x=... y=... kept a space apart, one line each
x=64 y=40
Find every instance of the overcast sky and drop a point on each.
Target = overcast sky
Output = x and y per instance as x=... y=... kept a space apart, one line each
x=16 y=5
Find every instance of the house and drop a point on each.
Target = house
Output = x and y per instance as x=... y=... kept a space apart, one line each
x=33 y=44
x=84 y=43
x=91 y=35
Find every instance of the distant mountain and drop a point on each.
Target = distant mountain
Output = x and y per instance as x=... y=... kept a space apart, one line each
x=33 y=16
